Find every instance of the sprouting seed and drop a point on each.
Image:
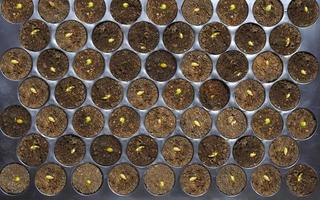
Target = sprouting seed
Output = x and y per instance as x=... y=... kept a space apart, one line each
x=249 y=92
x=214 y=154
x=143 y=47
x=122 y=120
x=196 y=9
x=70 y=88
x=163 y=6
x=193 y=178
x=161 y=183
x=109 y=149
x=265 y=177
x=17 y=179
x=303 y=124
x=33 y=90
x=267 y=62
x=285 y=151
x=110 y=40
x=19 y=5
x=35 y=31
x=197 y=123
x=233 y=179
x=159 y=121
x=231 y=120
x=106 y=97
x=52 y=4
x=49 y=177
x=163 y=65
x=67 y=35
x=214 y=34
x=306 y=9
x=181 y=35
x=178 y=91
x=250 y=43
x=88 y=182
x=267 y=121
x=253 y=154
x=268 y=8
x=34 y=147
x=288 y=96
x=232 y=7
x=288 y=41
x=19 y=121
x=304 y=72
x=88 y=119
x=53 y=69
x=195 y=64
x=90 y=4
x=13 y=61
x=89 y=61
x=73 y=151
x=140 y=93
x=300 y=177
x=123 y=176
x=139 y=148
x=51 y=119
x=176 y=149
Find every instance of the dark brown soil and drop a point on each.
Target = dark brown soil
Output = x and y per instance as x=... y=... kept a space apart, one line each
x=161 y=65
x=303 y=67
x=14 y=178
x=88 y=121
x=196 y=66
x=214 y=94
x=90 y=11
x=107 y=93
x=124 y=122
x=107 y=36
x=162 y=12
x=15 y=121
x=249 y=94
x=285 y=39
x=71 y=35
x=231 y=179
x=301 y=123
x=106 y=150
x=284 y=95
x=267 y=124
x=178 y=37
x=160 y=122
x=143 y=36
x=142 y=150
x=177 y=151
x=88 y=64
x=16 y=64
x=248 y=151
x=195 y=180
x=125 y=11
x=52 y=64
x=231 y=122
x=178 y=94
x=125 y=65
x=87 y=178
x=284 y=151
x=16 y=11
x=232 y=12
x=53 y=11
x=250 y=38
x=303 y=13
x=69 y=150
x=196 y=122
x=266 y=180
x=33 y=150
x=197 y=12
x=123 y=179
x=142 y=93
x=302 y=180
x=232 y=66
x=159 y=179
x=268 y=12
x=34 y=35
x=213 y=151
x=50 y=179
x=33 y=92
x=51 y=121
x=214 y=38
x=70 y=92
x=267 y=67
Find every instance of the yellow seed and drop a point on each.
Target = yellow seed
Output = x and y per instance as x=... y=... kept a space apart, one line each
x=89 y=61
x=303 y=124
x=176 y=149
x=51 y=3
x=163 y=6
x=265 y=177
x=125 y=5
x=88 y=119
x=268 y=8
x=306 y=9
x=70 y=88
x=249 y=92
x=239 y=73
x=197 y=123
x=53 y=69
x=13 y=61
x=143 y=47
x=123 y=176
x=193 y=178
x=90 y=4
x=214 y=154
x=250 y=43
x=300 y=177
x=163 y=65
x=214 y=34
x=67 y=35
x=34 y=147
x=267 y=62
x=122 y=120
x=110 y=40
x=232 y=7
x=178 y=91
x=304 y=72
x=17 y=179
x=49 y=177
x=195 y=64
x=35 y=31
x=233 y=179
x=161 y=183
x=253 y=154
x=285 y=151
x=267 y=121
x=159 y=121
x=109 y=149
x=288 y=40
x=19 y=5
x=51 y=119
x=141 y=92
x=288 y=96
x=139 y=148
x=181 y=35
x=19 y=121
x=196 y=9
x=88 y=182
x=73 y=151
x=33 y=90
x=106 y=97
